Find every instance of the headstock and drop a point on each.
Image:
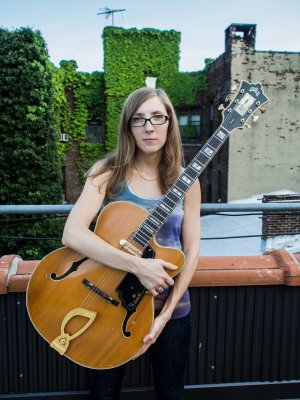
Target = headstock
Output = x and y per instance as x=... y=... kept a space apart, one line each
x=249 y=98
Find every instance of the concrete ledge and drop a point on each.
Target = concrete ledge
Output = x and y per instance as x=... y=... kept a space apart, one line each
x=276 y=267
x=15 y=273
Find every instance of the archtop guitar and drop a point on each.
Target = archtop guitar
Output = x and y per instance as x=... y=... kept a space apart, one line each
x=95 y=315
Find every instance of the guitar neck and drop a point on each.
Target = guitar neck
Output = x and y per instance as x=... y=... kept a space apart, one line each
x=153 y=223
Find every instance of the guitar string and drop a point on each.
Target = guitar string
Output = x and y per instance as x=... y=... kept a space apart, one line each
x=107 y=281
x=104 y=283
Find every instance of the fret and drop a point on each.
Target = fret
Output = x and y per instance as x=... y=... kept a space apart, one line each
x=197 y=158
x=144 y=233
x=161 y=212
x=177 y=192
x=191 y=173
x=154 y=220
x=221 y=134
x=171 y=198
x=151 y=224
x=168 y=209
x=186 y=179
x=140 y=238
x=203 y=158
x=182 y=186
x=136 y=237
x=208 y=150
x=196 y=166
x=215 y=142
x=147 y=228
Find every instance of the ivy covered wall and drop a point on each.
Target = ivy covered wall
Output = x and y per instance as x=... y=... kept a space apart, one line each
x=79 y=101
x=131 y=55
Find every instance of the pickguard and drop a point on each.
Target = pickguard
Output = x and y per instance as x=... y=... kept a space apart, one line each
x=131 y=292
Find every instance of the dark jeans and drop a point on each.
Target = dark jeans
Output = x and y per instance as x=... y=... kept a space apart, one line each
x=168 y=356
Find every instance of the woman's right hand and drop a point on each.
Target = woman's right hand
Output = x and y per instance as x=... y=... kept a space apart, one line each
x=153 y=276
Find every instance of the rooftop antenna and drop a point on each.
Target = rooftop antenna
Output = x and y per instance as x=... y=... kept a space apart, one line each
x=108 y=12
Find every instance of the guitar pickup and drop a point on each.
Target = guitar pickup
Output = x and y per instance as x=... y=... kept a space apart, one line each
x=130 y=248
x=100 y=292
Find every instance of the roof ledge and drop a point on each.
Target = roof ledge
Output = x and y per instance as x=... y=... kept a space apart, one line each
x=275 y=267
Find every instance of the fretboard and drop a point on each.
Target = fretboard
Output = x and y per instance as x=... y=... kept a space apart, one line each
x=153 y=223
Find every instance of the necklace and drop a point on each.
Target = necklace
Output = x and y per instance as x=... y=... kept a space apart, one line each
x=145 y=179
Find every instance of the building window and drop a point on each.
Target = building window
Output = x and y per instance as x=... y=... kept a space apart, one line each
x=95 y=132
x=195 y=119
x=189 y=124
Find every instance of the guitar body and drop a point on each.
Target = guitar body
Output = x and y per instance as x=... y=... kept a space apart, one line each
x=95 y=315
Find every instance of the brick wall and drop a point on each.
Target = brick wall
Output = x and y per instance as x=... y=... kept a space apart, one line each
x=280 y=223
x=281 y=230
x=214 y=180
x=73 y=184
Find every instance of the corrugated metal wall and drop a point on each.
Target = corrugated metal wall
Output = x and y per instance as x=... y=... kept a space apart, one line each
x=240 y=334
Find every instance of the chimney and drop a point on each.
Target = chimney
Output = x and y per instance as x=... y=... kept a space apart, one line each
x=281 y=230
x=244 y=33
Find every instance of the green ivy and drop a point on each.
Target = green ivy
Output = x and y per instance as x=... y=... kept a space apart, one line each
x=131 y=55
x=79 y=99
x=30 y=172
x=186 y=86
x=89 y=153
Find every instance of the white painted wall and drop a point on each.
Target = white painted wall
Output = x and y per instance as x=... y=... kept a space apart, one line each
x=266 y=157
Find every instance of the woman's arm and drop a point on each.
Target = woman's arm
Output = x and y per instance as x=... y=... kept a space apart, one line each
x=79 y=237
x=191 y=243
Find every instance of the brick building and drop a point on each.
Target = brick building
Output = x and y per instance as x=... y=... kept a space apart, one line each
x=266 y=157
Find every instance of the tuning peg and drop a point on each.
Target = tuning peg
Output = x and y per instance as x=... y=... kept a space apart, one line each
x=247 y=126
x=262 y=109
x=233 y=89
x=255 y=118
x=228 y=97
x=221 y=107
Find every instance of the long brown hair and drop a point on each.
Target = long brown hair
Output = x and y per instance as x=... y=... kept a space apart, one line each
x=121 y=161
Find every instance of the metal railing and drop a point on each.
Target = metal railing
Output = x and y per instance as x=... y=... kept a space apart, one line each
x=206 y=208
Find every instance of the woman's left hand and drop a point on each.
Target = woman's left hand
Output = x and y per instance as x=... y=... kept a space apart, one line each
x=158 y=325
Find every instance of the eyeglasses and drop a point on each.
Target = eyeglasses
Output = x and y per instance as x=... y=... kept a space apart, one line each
x=157 y=119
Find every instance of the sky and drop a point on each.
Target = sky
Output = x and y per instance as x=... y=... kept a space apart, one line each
x=72 y=29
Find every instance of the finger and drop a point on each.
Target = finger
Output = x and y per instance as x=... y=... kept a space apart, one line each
x=164 y=285
x=169 y=265
x=149 y=340
x=169 y=281
x=140 y=353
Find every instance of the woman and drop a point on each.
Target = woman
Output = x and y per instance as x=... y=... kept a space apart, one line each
x=148 y=160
